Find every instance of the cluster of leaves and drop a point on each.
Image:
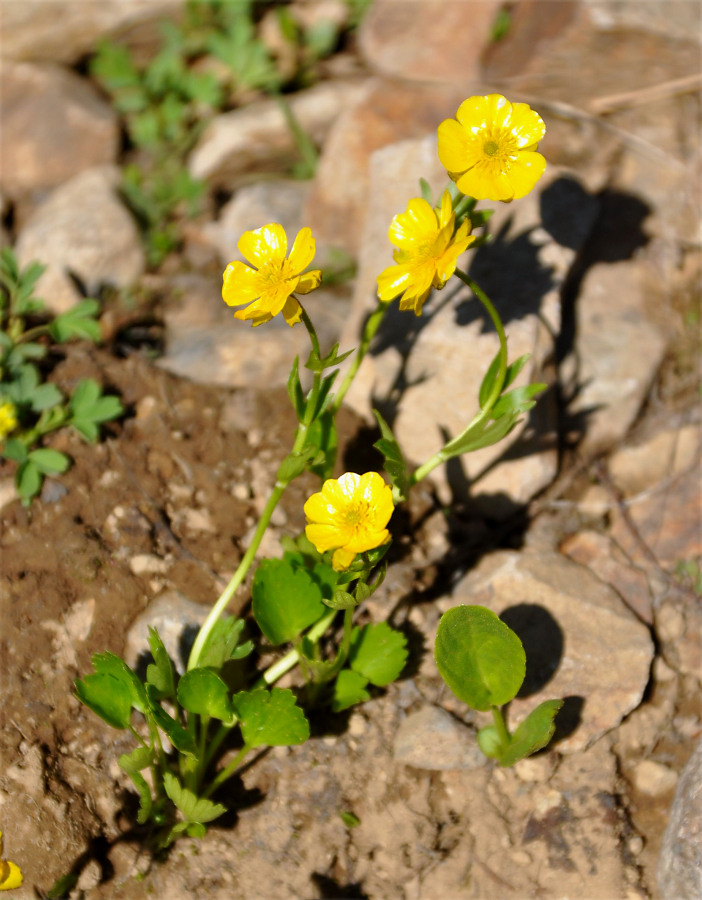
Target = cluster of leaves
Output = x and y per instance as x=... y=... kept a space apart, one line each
x=483 y=662
x=26 y=334
x=198 y=710
x=204 y=64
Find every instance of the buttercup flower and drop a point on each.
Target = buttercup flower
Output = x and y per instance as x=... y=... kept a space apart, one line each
x=349 y=516
x=489 y=149
x=270 y=286
x=8 y=418
x=10 y=874
x=427 y=252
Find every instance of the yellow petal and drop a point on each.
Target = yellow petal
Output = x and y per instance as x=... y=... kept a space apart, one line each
x=446 y=214
x=318 y=509
x=292 y=311
x=347 y=485
x=392 y=281
x=324 y=537
x=414 y=301
x=303 y=250
x=527 y=126
x=263 y=245
x=240 y=284
x=475 y=113
x=524 y=172
x=10 y=876
x=486 y=184
x=275 y=296
x=309 y=281
x=342 y=559
x=456 y=152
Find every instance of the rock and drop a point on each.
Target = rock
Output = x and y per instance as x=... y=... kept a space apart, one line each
x=420 y=43
x=53 y=125
x=387 y=112
x=257 y=138
x=431 y=738
x=680 y=860
x=662 y=457
x=678 y=624
x=605 y=559
x=424 y=374
x=653 y=778
x=675 y=18
x=616 y=355
x=64 y=32
x=581 y=642
x=82 y=229
x=177 y=621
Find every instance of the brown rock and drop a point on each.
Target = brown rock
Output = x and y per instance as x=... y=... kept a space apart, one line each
x=47 y=31
x=388 y=111
x=423 y=40
x=53 y=125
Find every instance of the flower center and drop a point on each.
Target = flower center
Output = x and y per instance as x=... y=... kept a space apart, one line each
x=276 y=273
x=355 y=514
x=490 y=148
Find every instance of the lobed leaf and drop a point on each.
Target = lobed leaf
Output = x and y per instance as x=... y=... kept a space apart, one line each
x=286 y=600
x=193 y=808
x=203 y=692
x=349 y=689
x=395 y=464
x=160 y=673
x=378 y=652
x=270 y=718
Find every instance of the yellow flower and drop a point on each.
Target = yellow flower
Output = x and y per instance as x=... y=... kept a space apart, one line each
x=349 y=516
x=10 y=874
x=489 y=149
x=8 y=418
x=427 y=254
x=269 y=287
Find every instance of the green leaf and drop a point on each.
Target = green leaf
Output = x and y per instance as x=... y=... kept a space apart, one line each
x=286 y=600
x=28 y=480
x=107 y=696
x=222 y=643
x=44 y=397
x=270 y=718
x=49 y=461
x=479 y=657
x=425 y=188
x=193 y=808
x=488 y=381
x=484 y=435
x=160 y=673
x=145 y=799
x=349 y=689
x=202 y=691
x=140 y=758
x=109 y=664
x=340 y=600
x=333 y=358
x=88 y=408
x=323 y=435
x=181 y=739
x=295 y=390
x=395 y=464
x=349 y=819
x=295 y=464
x=517 y=401
x=533 y=733
x=15 y=450
x=489 y=741
x=378 y=652
x=79 y=321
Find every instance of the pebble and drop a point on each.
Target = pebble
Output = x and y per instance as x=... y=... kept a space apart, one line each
x=430 y=738
x=654 y=778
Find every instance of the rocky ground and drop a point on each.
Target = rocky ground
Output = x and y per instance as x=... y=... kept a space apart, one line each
x=583 y=531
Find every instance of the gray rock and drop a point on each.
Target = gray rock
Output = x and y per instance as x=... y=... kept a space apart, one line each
x=574 y=628
x=257 y=138
x=177 y=621
x=680 y=860
x=675 y=18
x=63 y=32
x=53 y=125
x=83 y=229
x=432 y=739
x=427 y=372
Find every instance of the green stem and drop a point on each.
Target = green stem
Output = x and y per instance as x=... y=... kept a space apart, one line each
x=372 y=325
x=501 y=727
x=445 y=452
x=238 y=576
x=227 y=772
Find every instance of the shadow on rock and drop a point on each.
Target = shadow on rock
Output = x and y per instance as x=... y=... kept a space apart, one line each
x=543 y=642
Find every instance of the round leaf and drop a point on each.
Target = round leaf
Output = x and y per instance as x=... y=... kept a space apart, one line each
x=479 y=657
x=203 y=692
